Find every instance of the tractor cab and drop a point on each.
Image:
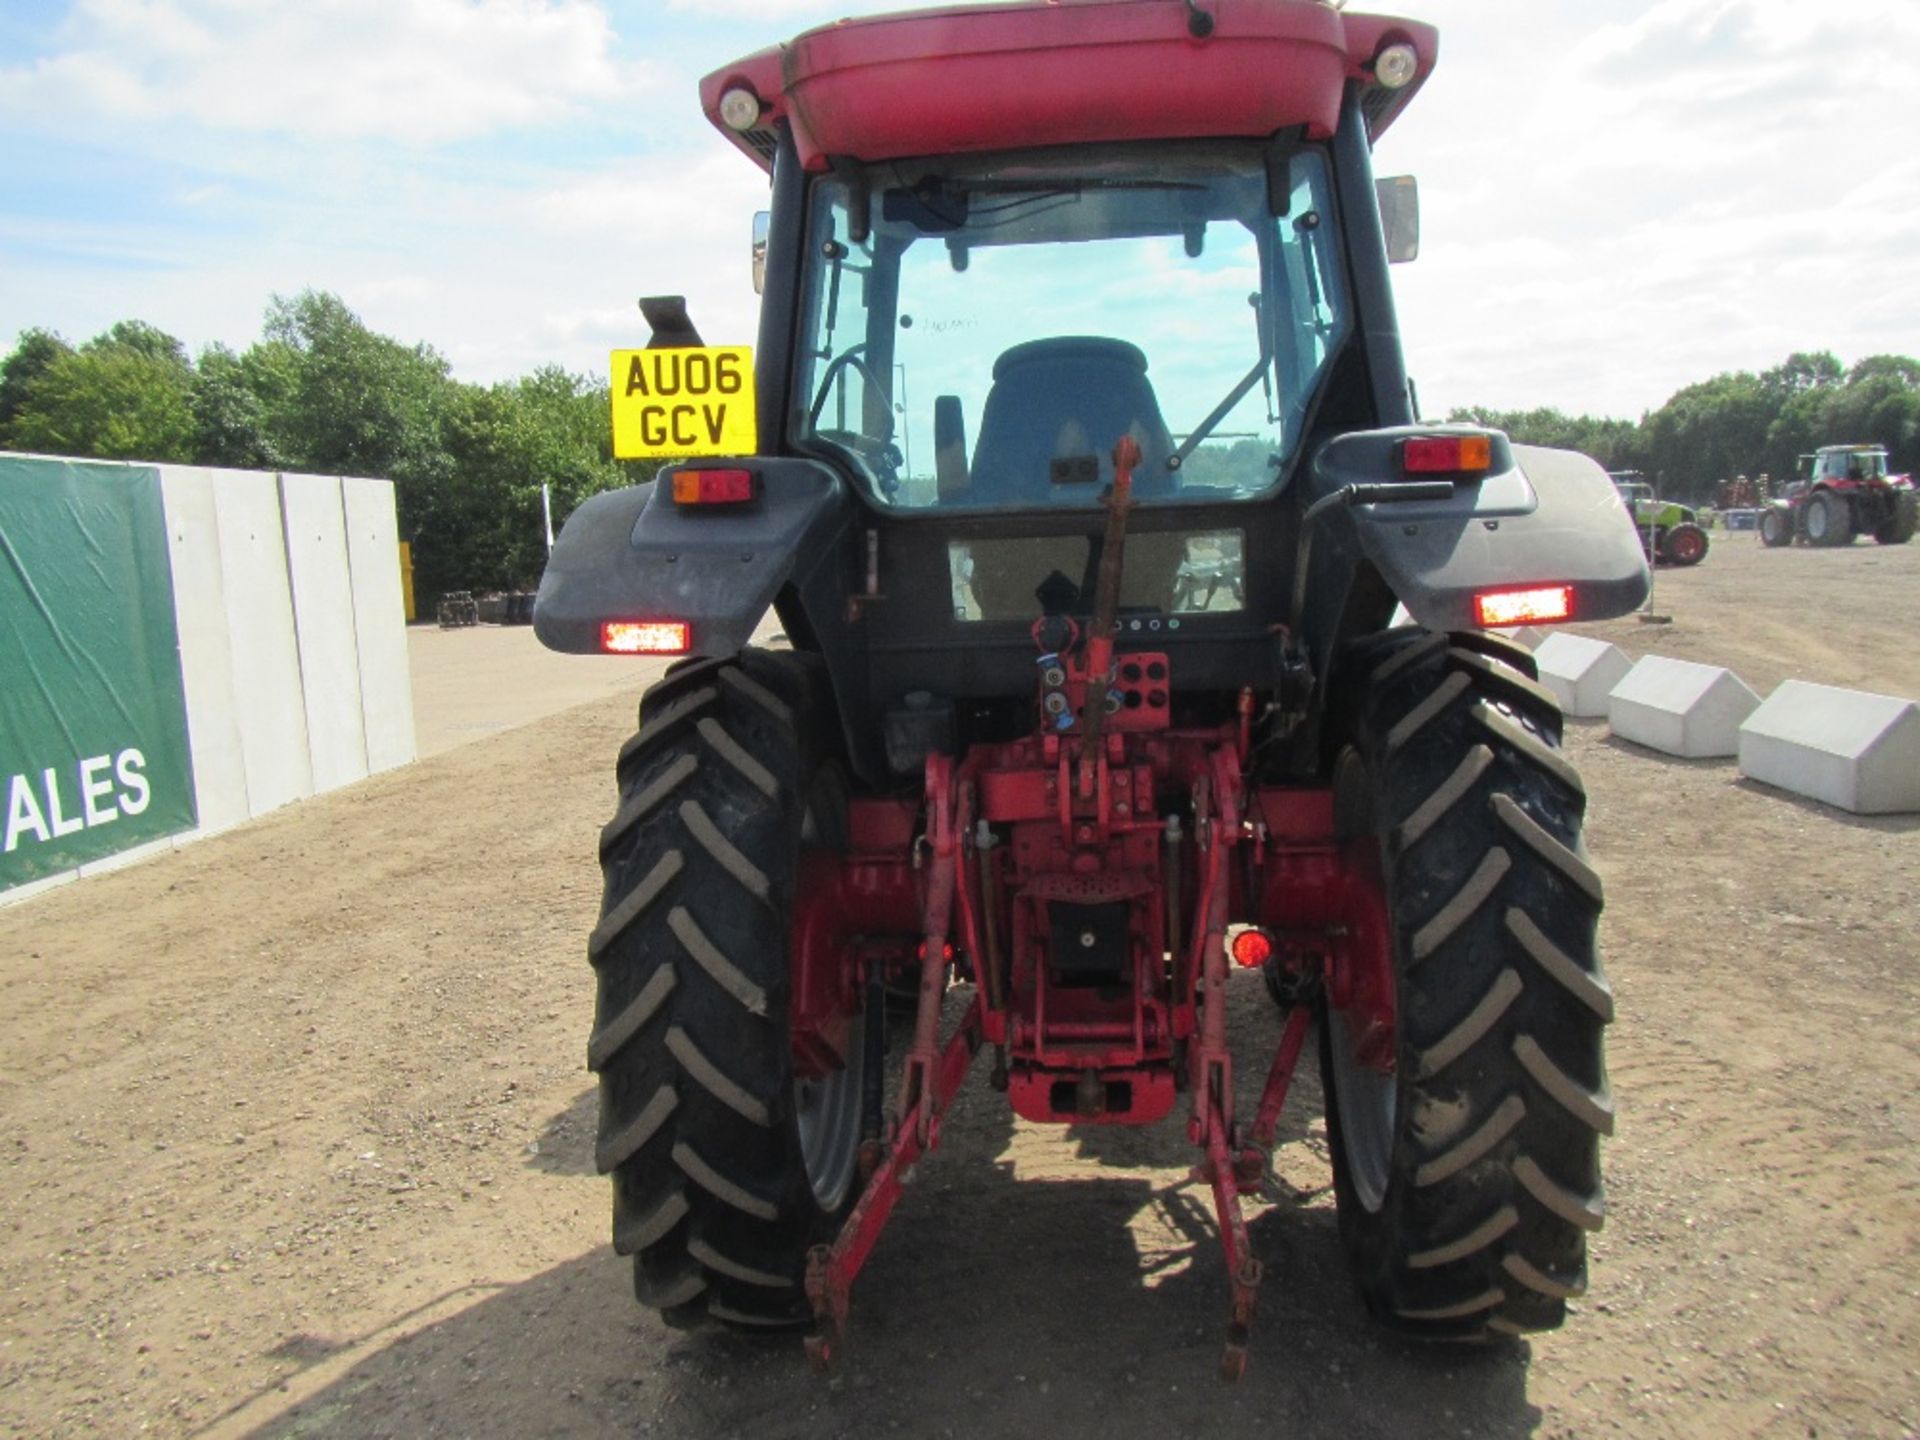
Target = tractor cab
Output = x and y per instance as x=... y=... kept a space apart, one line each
x=1847 y=464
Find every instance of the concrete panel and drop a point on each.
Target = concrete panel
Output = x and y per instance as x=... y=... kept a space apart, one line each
x=1680 y=707
x=162 y=846
x=206 y=653
x=323 y=621
x=379 y=621
x=269 y=710
x=1850 y=748
x=1529 y=635
x=1580 y=672
x=13 y=894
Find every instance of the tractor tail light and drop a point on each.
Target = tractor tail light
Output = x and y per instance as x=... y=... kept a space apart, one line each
x=712 y=487
x=1251 y=947
x=1539 y=605
x=646 y=637
x=1447 y=455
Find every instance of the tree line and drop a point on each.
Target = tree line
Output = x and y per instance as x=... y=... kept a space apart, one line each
x=321 y=392
x=1741 y=423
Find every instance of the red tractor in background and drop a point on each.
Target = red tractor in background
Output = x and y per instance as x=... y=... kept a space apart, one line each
x=1847 y=492
x=1017 y=752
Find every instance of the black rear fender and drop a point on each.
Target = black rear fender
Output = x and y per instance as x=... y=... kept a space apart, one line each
x=633 y=554
x=1540 y=517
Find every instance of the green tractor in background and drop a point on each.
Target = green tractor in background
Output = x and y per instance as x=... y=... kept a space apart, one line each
x=1669 y=532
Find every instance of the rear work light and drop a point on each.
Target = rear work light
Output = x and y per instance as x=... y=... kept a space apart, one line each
x=1447 y=455
x=1538 y=606
x=646 y=637
x=712 y=487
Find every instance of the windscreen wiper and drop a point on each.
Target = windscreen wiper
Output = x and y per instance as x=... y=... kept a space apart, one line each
x=1233 y=396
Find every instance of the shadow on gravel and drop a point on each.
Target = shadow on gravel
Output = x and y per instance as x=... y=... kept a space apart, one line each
x=1672 y=762
x=1886 y=824
x=993 y=1306
x=565 y=1146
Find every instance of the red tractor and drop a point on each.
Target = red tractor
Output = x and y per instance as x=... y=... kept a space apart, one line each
x=1847 y=492
x=1021 y=765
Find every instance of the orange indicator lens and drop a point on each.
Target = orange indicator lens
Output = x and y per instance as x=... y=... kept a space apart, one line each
x=1447 y=454
x=1538 y=606
x=712 y=487
x=646 y=637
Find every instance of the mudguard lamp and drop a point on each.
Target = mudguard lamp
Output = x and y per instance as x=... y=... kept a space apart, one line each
x=646 y=637
x=712 y=487
x=1541 y=605
x=1447 y=455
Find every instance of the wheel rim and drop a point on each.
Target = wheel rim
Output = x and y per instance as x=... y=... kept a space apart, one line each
x=1368 y=1102
x=1817 y=520
x=826 y=1113
x=1366 y=1097
x=826 y=1109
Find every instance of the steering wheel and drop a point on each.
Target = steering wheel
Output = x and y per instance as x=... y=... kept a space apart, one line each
x=881 y=455
x=852 y=358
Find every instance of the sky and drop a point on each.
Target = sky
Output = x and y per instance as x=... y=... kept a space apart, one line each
x=1619 y=197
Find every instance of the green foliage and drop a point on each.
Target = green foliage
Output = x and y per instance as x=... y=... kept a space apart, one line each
x=125 y=395
x=31 y=358
x=232 y=409
x=321 y=392
x=1614 y=443
x=1740 y=423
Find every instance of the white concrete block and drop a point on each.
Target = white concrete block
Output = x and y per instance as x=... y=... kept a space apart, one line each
x=124 y=858
x=268 y=707
x=1850 y=748
x=1529 y=635
x=31 y=888
x=316 y=535
x=1680 y=707
x=206 y=651
x=1580 y=672
x=379 y=622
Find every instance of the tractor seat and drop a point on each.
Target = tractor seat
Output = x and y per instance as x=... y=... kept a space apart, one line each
x=1062 y=398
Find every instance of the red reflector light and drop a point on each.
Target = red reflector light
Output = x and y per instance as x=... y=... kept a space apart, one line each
x=1447 y=454
x=712 y=487
x=1251 y=948
x=646 y=637
x=1523 y=607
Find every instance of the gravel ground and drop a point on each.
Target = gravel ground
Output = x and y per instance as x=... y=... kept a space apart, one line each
x=298 y=1137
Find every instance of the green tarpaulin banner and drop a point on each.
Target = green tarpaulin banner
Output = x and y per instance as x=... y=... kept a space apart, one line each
x=93 y=722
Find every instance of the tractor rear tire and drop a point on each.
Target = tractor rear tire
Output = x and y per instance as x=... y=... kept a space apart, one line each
x=1776 y=528
x=1898 y=528
x=1468 y=1178
x=1685 y=544
x=1829 y=519
x=724 y=1170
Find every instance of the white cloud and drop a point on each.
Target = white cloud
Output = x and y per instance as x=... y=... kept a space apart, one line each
x=416 y=71
x=1614 y=212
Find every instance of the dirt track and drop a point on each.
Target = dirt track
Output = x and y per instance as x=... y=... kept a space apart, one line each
x=297 y=1139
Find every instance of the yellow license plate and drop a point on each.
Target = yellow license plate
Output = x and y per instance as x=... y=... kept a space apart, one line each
x=669 y=403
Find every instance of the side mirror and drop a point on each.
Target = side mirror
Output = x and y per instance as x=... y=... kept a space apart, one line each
x=761 y=220
x=1400 y=216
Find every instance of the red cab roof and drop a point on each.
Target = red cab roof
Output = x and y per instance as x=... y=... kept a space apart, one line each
x=1032 y=73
